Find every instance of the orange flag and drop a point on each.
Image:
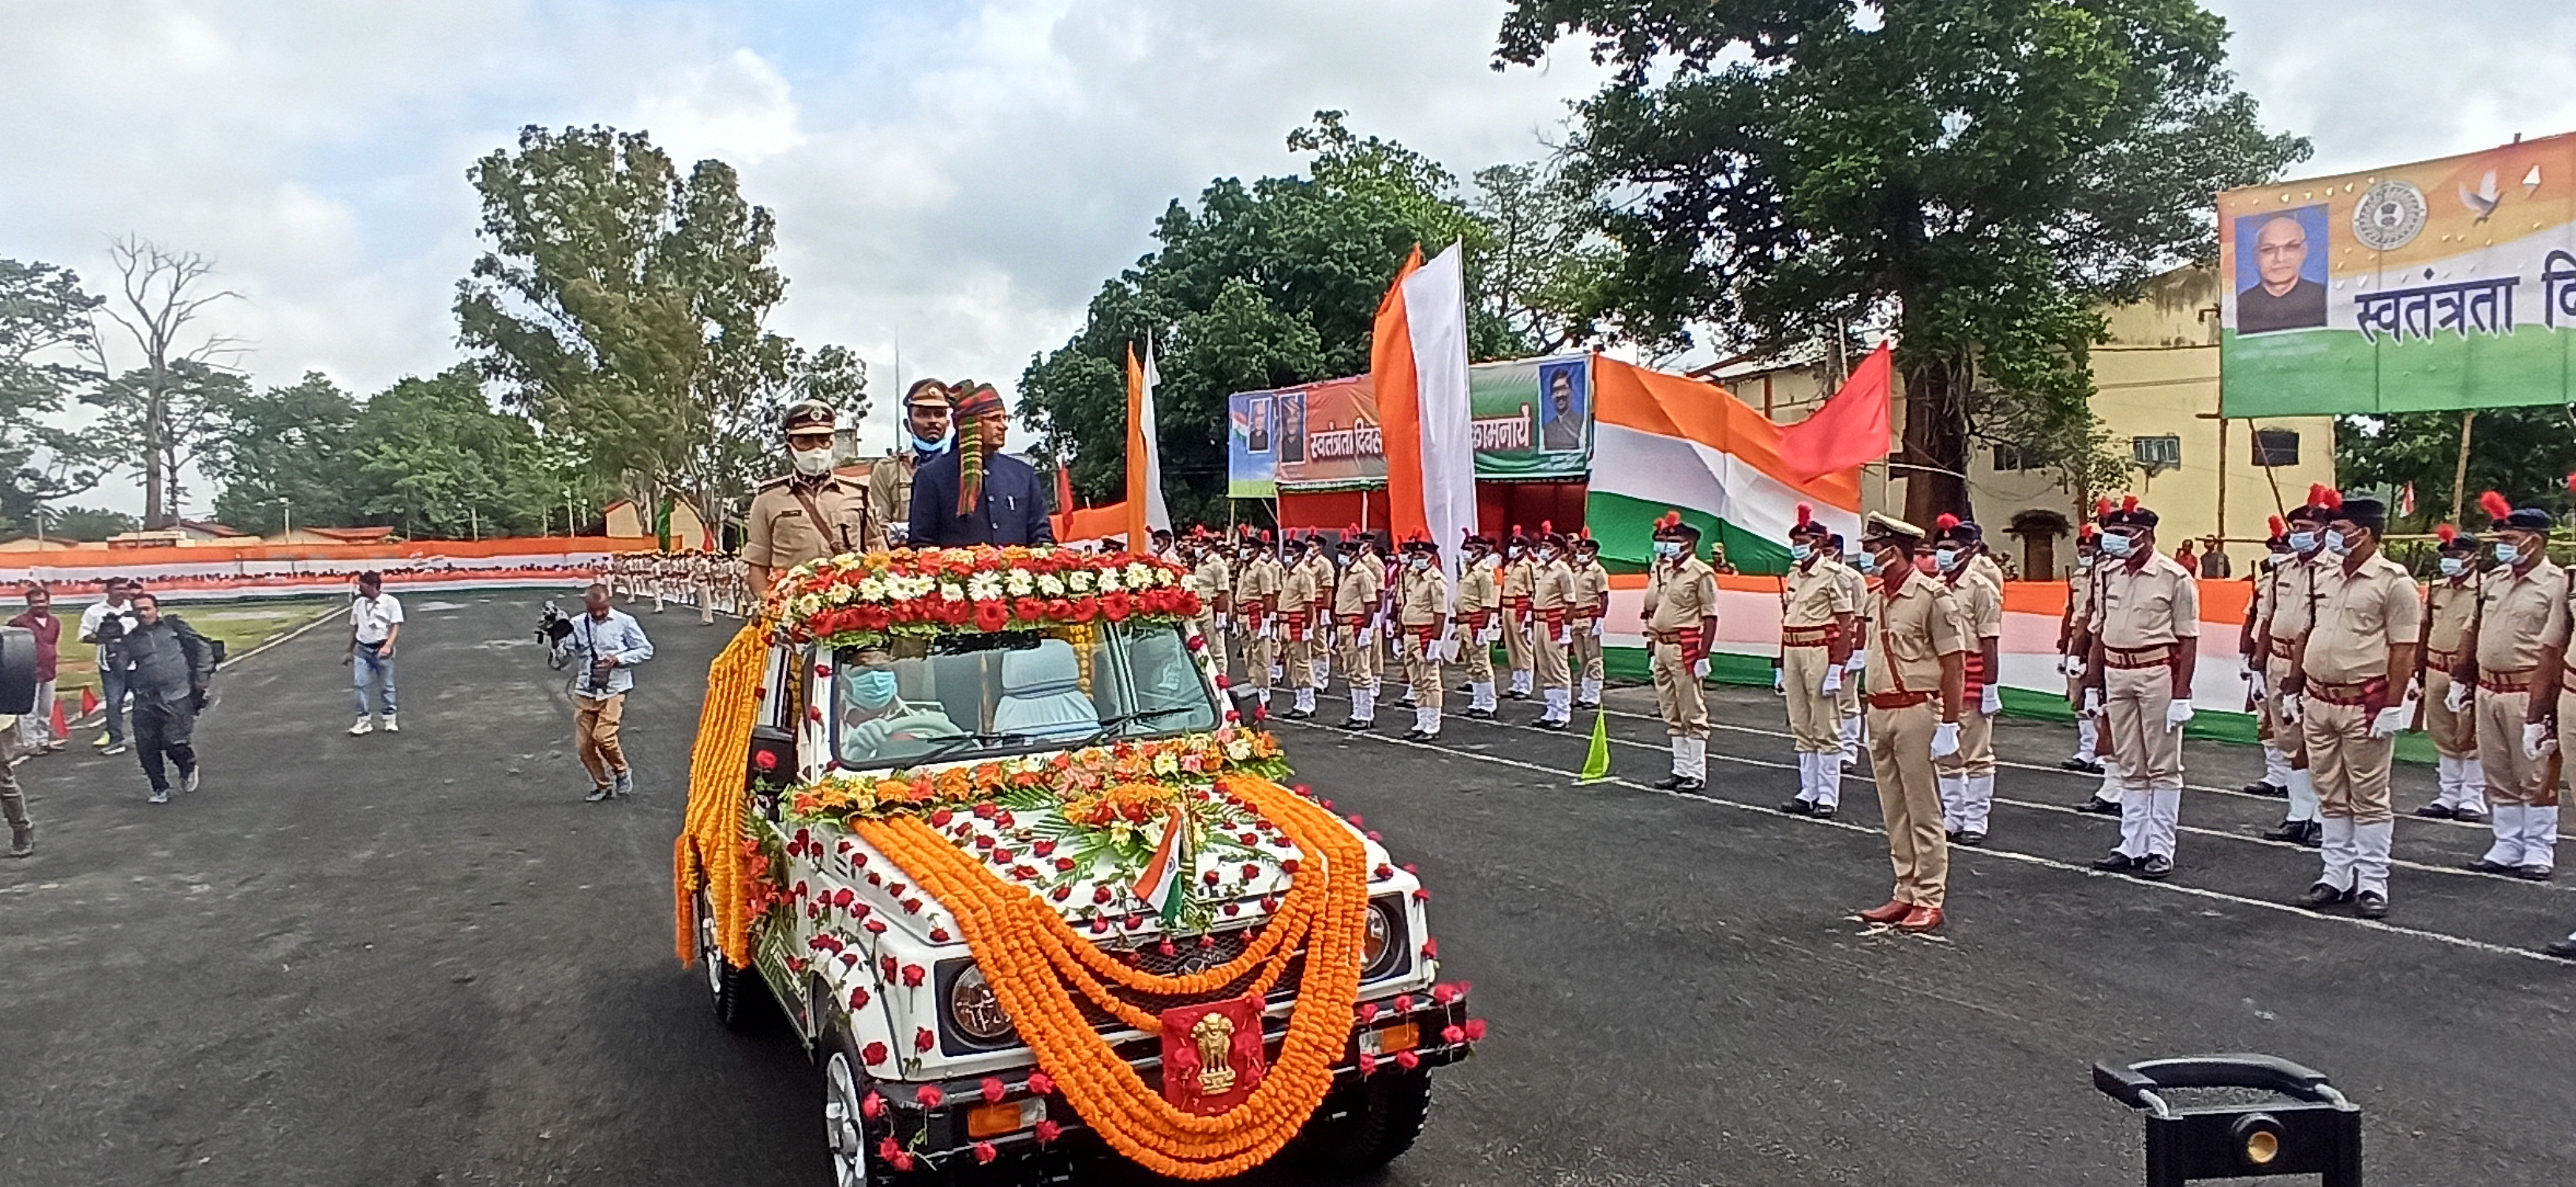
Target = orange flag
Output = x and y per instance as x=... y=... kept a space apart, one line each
x=1850 y=429
x=1399 y=416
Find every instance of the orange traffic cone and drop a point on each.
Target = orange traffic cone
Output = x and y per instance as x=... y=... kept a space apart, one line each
x=89 y=702
x=60 y=729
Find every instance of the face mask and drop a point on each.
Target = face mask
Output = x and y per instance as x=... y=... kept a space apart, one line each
x=2303 y=542
x=2117 y=545
x=1946 y=558
x=1546 y=554
x=1862 y=561
x=1800 y=552
x=2507 y=555
x=811 y=462
x=871 y=688
x=1667 y=549
x=1419 y=562
x=2338 y=544
x=2454 y=566
x=2083 y=562
x=922 y=445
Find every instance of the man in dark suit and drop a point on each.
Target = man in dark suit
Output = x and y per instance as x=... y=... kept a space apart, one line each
x=973 y=494
x=2280 y=298
x=1563 y=432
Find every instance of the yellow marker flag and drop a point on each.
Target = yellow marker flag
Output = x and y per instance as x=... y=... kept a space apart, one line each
x=1596 y=762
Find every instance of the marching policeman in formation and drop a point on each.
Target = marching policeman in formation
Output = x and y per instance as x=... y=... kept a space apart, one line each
x=2449 y=603
x=1480 y=601
x=1422 y=616
x=1355 y=617
x=1321 y=570
x=1520 y=580
x=1552 y=596
x=2512 y=653
x=1256 y=605
x=1819 y=626
x=1917 y=687
x=809 y=512
x=2074 y=643
x=2286 y=611
x=1967 y=778
x=1847 y=700
x=2350 y=681
x=1681 y=625
x=925 y=418
x=2256 y=663
x=2145 y=639
x=1591 y=607
x=1298 y=598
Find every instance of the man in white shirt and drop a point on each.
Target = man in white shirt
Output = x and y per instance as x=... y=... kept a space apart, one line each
x=117 y=605
x=375 y=621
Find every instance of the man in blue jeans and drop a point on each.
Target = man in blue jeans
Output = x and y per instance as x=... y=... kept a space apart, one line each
x=105 y=623
x=375 y=621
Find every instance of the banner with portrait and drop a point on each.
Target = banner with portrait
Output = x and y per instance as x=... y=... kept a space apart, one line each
x=2445 y=284
x=1532 y=423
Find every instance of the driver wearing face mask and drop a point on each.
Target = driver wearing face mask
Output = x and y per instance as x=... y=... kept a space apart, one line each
x=809 y=512
x=875 y=722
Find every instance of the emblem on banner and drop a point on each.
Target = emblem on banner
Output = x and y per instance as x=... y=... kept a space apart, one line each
x=1212 y=1055
x=2389 y=215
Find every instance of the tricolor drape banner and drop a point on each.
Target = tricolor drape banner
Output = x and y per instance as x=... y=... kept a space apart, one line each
x=1145 y=510
x=1664 y=441
x=1418 y=368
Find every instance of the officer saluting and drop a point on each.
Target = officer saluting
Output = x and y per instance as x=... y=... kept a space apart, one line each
x=1681 y=620
x=1818 y=625
x=2449 y=603
x=1917 y=675
x=2146 y=638
x=2351 y=679
x=808 y=513
x=2522 y=612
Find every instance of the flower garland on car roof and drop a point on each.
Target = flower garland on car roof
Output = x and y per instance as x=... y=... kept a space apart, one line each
x=860 y=599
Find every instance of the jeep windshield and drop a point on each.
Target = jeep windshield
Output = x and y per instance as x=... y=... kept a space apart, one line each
x=975 y=695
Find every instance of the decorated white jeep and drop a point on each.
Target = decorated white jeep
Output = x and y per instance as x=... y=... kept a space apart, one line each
x=986 y=825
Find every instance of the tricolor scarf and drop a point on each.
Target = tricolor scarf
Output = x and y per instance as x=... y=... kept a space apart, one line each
x=971 y=407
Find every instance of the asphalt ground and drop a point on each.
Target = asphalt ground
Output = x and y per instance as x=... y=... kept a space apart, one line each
x=421 y=959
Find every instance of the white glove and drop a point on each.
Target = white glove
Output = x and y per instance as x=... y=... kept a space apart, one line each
x=1859 y=661
x=1224 y=620
x=1945 y=739
x=2290 y=709
x=1565 y=636
x=1833 y=681
x=1490 y=636
x=1991 y=701
x=2092 y=702
x=1699 y=667
x=2392 y=720
x=1368 y=636
x=2177 y=715
x=2074 y=667
x=1449 y=650
x=2254 y=686
x=2456 y=697
x=1596 y=628
x=2536 y=740
x=1779 y=682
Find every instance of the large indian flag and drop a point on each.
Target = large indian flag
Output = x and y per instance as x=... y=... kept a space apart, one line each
x=1664 y=441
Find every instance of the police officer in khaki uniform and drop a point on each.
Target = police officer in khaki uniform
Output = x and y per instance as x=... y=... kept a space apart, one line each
x=1422 y=618
x=1819 y=623
x=2083 y=586
x=1355 y=624
x=1847 y=700
x=809 y=512
x=1591 y=608
x=1519 y=579
x=1256 y=603
x=2146 y=639
x=2351 y=678
x=1298 y=601
x=1477 y=622
x=1681 y=626
x=2286 y=610
x=2249 y=651
x=2522 y=610
x=1967 y=778
x=925 y=418
x=1917 y=683
x=1213 y=580
x=1326 y=576
x=1552 y=627
x=2449 y=603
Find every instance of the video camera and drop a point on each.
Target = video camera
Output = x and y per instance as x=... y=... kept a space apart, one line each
x=17 y=670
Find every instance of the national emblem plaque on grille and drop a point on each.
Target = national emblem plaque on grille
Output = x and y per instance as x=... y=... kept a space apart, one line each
x=1212 y=1056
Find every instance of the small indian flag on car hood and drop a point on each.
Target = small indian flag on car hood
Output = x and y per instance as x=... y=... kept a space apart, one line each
x=1166 y=876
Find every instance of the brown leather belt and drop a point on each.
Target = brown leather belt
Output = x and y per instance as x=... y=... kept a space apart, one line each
x=2280 y=649
x=2356 y=693
x=2506 y=681
x=2440 y=661
x=1809 y=636
x=2131 y=658
x=1897 y=700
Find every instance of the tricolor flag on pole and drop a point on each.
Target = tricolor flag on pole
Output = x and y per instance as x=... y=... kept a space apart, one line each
x=1664 y=441
x=1145 y=510
x=1165 y=877
x=1418 y=367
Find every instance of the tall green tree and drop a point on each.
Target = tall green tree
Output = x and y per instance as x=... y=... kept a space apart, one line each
x=1974 y=174
x=45 y=342
x=1260 y=285
x=623 y=306
x=284 y=454
x=2526 y=453
x=433 y=458
x=157 y=418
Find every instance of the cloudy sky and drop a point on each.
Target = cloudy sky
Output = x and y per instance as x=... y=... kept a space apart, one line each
x=951 y=178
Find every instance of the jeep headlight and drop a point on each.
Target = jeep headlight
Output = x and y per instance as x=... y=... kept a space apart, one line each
x=1382 y=950
x=974 y=1011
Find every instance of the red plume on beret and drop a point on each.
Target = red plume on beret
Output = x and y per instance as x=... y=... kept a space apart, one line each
x=2446 y=533
x=1806 y=515
x=2316 y=494
x=1546 y=526
x=2102 y=506
x=2279 y=527
x=1946 y=521
x=2128 y=502
x=2332 y=499
x=2571 y=482
x=2086 y=532
x=2495 y=505
x=1670 y=518
x=1352 y=530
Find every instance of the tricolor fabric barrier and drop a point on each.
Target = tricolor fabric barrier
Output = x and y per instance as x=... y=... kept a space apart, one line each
x=227 y=572
x=1748 y=639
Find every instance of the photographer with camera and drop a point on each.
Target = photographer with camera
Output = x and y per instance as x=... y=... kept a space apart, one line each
x=105 y=623
x=609 y=643
x=171 y=666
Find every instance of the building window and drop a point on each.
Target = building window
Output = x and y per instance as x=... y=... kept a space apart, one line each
x=2008 y=458
x=2154 y=454
x=2276 y=447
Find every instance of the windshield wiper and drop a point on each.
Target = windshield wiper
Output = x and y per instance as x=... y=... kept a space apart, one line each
x=1111 y=724
x=961 y=741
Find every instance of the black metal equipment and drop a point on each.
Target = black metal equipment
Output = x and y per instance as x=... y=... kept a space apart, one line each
x=2315 y=1131
x=554 y=633
x=17 y=670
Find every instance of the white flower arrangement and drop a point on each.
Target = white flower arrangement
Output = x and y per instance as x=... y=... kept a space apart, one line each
x=1050 y=585
x=1019 y=583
